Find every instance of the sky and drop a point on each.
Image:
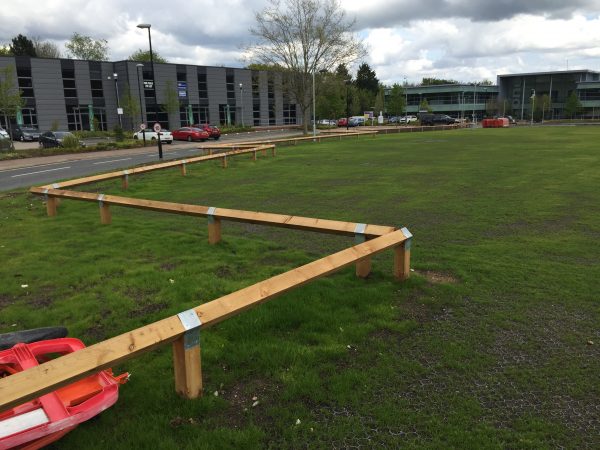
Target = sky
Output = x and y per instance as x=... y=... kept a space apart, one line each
x=406 y=40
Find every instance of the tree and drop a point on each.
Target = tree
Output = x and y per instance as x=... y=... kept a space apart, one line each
x=84 y=47
x=436 y=81
x=424 y=105
x=343 y=72
x=572 y=105
x=10 y=96
x=22 y=46
x=331 y=97
x=144 y=56
x=130 y=105
x=366 y=79
x=171 y=104
x=303 y=37
x=45 y=49
x=5 y=50
x=543 y=105
x=396 y=100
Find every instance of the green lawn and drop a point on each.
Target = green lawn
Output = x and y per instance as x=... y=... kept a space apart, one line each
x=493 y=342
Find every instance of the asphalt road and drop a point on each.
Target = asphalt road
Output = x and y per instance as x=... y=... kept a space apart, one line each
x=24 y=173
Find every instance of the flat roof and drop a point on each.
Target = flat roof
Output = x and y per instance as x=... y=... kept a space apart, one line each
x=555 y=72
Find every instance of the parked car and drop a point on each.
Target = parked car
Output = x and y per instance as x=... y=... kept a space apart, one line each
x=212 y=130
x=22 y=133
x=327 y=122
x=165 y=135
x=51 y=139
x=436 y=119
x=190 y=134
x=394 y=119
x=409 y=119
x=3 y=133
x=356 y=121
x=342 y=122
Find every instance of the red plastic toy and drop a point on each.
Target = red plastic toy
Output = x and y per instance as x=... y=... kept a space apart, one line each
x=46 y=419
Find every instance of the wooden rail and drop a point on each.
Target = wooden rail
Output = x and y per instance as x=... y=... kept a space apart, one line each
x=262 y=218
x=178 y=163
x=33 y=382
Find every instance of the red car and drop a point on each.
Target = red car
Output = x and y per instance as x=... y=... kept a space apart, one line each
x=342 y=122
x=213 y=131
x=190 y=134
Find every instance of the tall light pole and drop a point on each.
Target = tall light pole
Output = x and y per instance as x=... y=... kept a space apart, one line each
x=148 y=26
x=532 y=104
x=348 y=104
x=115 y=75
x=314 y=106
x=138 y=67
x=474 y=101
x=405 y=100
x=242 y=100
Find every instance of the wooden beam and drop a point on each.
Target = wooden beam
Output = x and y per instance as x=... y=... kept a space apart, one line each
x=363 y=267
x=105 y=215
x=51 y=206
x=261 y=218
x=402 y=257
x=187 y=367
x=125 y=182
x=46 y=377
x=183 y=169
x=214 y=230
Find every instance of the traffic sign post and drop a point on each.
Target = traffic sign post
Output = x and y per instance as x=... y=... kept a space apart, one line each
x=157 y=129
x=142 y=128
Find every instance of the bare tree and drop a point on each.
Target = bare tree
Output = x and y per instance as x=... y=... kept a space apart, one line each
x=303 y=37
x=45 y=49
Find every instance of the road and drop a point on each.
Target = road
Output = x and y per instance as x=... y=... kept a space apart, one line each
x=21 y=173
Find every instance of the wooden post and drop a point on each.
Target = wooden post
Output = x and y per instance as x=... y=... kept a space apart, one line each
x=188 y=369
x=402 y=257
x=183 y=169
x=125 y=182
x=273 y=151
x=224 y=161
x=254 y=155
x=214 y=230
x=51 y=204
x=210 y=151
x=105 y=216
x=363 y=267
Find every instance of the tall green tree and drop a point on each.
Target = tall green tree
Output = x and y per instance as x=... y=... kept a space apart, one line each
x=10 y=96
x=171 y=103
x=331 y=96
x=366 y=79
x=396 y=103
x=342 y=72
x=22 y=46
x=572 y=105
x=5 y=50
x=84 y=47
x=144 y=56
x=304 y=37
x=131 y=106
x=436 y=81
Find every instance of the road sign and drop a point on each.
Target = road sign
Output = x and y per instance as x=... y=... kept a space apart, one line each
x=142 y=126
x=157 y=127
x=120 y=111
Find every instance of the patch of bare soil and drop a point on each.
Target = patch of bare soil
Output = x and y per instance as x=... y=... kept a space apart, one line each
x=437 y=277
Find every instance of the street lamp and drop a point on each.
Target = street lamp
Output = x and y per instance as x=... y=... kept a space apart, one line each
x=147 y=25
x=242 y=100
x=314 y=107
x=474 y=101
x=138 y=66
x=118 y=103
x=532 y=104
x=348 y=104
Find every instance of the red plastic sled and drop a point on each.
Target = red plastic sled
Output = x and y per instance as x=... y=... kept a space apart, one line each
x=46 y=419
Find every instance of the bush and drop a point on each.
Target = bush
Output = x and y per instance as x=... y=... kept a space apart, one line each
x=70 y=141
x=119 y=134
x=6 y=144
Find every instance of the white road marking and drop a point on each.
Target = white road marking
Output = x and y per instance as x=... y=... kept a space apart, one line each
x=112 y=160
x=40 y=171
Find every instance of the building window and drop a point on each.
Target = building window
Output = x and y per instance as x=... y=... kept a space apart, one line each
x=226 y=114
x=202 y=86
x=69 y=88
x=230 y=84
x=157 y=114
x=199 y=114
x=97 y=91
x=255 y=99
x=289 y=113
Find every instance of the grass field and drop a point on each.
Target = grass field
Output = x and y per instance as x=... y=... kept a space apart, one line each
x=493 y=342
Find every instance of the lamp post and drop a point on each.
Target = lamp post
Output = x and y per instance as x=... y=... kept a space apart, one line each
x=405 y=101
x=348 y=104
x=148 y=26
x=242 y=100
x=532 y=104
x=314 y=107
x=118 y=102
x=474 y=101
x=138 y=66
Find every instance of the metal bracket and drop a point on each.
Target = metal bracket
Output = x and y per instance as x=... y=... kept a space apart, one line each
x=210 y=214
x=408 y=235
x=56 y=185
x=101 y=200
x=126 y=175
x=359 y=233
x=191 y=322
x=46 y=194
x=184 y=161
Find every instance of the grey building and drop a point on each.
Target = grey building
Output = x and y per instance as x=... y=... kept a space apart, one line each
x=517 y=89
x=456 y=100
x=83 y=95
